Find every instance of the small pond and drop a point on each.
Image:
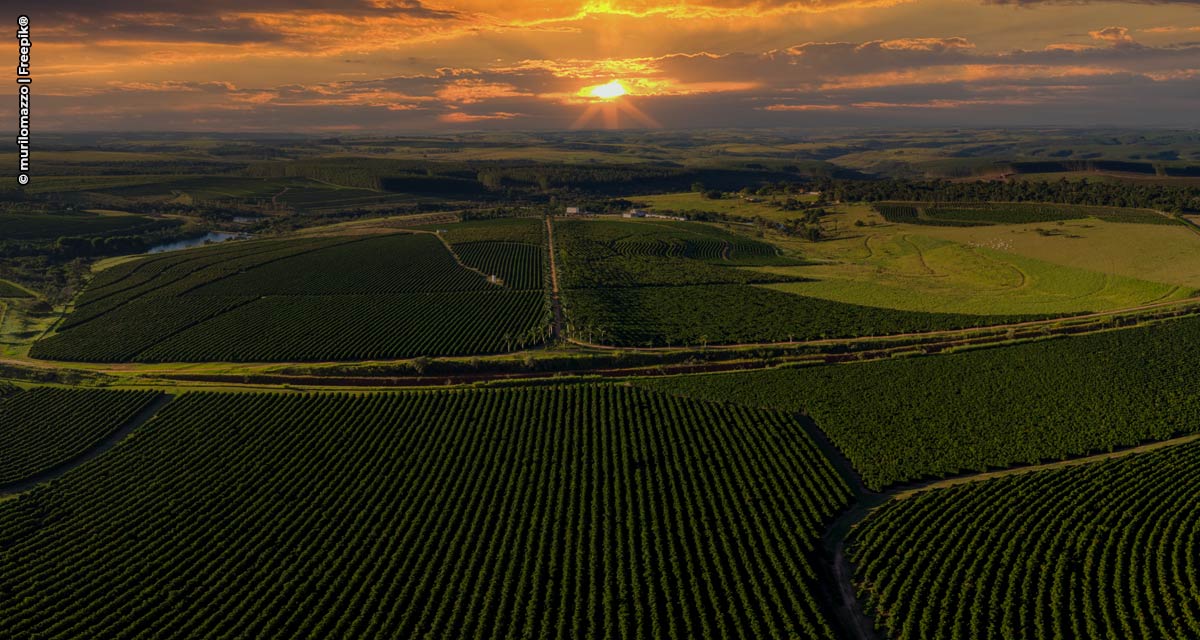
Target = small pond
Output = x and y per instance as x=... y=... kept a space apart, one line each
x=212 y=237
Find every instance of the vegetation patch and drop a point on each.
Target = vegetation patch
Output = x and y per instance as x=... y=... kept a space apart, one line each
x=989 y=213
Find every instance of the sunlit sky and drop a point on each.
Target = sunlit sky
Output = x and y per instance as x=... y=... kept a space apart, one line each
x=450 y=65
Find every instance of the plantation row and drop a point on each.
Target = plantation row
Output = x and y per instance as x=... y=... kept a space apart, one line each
x=310 y=328
x=519 y=266
x=407 y=263
x=568 y=512
x=519 y=230
x=177 y=274
x=36 y=226
x=986 y=213
x=1100 y=550
x=731 y=314
x=906 y=419
x=121 y=334
x=589 y=258
x=738 y=251
x=398 y=295
x=44 y=427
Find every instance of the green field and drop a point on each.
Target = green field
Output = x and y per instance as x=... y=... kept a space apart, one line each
x=38 y=226
x=900 y=270
x=765 y=207
x=321 y=298
x=635 y=283
x=584 y=511
x=45 y=427
x=1102 y=550
x=912 y=418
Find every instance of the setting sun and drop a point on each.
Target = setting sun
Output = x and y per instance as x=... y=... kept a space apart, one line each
x=608 y=91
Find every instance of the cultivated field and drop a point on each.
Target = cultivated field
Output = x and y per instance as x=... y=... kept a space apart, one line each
x=319 y=298
x=907 y=419
x=671 y=283
x=1102 y=550
x=582 y=511
x=47 y=426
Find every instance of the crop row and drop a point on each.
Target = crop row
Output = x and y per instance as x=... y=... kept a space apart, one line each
x=731 y=314
x=928 y=417
x=569 y=512
x=45 y=427
x=178 y=274
x=1100 y=550
x=593 y=261
x=312 y=328
x=403 y=263
x=519 y=266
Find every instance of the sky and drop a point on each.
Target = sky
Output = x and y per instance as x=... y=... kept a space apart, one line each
x=345 y=66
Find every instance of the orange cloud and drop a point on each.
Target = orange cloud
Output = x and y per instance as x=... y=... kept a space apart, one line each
x=458 y=117
x=470 y=91
x=804 y=107
x=1112 y=34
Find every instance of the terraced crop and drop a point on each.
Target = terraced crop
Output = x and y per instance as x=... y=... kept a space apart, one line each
x=45 y=427
x=570 y=512
x=1099 y=550
x=905 y=419
x=399 y=295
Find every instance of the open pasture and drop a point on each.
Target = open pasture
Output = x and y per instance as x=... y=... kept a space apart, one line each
x=894 y=268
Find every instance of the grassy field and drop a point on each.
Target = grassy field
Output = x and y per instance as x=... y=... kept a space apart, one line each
x=921 y=273
x=1068 y=267
x=1158 y=253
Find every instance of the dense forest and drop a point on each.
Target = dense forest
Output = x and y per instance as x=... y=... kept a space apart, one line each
x=1174 y=199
